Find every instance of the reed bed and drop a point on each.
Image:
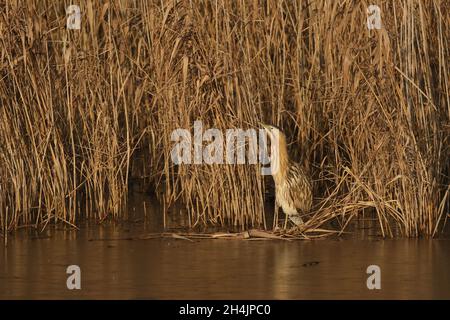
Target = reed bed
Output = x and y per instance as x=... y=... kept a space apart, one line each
x=83 y=112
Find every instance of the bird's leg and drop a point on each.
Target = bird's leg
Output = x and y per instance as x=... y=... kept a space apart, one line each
x=275 y=217
x=286 y=218
x=296 y=219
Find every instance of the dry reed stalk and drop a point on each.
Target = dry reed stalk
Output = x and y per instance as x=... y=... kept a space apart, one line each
x=366 y=111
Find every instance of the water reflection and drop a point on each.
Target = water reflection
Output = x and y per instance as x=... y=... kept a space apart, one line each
x=33 y=266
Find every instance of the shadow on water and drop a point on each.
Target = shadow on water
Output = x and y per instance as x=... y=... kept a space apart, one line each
x=33 y=265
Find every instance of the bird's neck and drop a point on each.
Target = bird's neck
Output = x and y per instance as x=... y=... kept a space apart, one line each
x=280 y=159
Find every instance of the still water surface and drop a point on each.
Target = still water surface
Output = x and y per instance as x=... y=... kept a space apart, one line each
x=33 y=266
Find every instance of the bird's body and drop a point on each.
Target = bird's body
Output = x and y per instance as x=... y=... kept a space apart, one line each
x=293 y=194
x=293 y=190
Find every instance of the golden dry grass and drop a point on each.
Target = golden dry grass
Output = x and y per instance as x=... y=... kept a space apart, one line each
x=366 y=111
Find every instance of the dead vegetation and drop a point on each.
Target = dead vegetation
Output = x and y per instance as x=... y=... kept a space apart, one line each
x=83 y=111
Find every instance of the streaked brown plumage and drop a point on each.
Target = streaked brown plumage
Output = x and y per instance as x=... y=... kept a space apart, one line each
x=293 y=191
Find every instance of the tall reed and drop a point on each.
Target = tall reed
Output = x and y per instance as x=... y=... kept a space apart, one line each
x=84 y=111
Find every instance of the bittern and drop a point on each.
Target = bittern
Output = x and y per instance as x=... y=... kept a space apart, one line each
x=293 y=191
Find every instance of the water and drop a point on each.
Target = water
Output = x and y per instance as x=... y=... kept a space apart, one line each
x=33 y=266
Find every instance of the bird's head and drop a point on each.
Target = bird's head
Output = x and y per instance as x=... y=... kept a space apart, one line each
x=278 y=149
x=273 y=132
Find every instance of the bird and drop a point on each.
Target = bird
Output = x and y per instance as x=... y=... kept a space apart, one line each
x=293 y=187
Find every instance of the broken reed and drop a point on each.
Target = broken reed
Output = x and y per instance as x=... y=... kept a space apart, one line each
x=82 y=112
